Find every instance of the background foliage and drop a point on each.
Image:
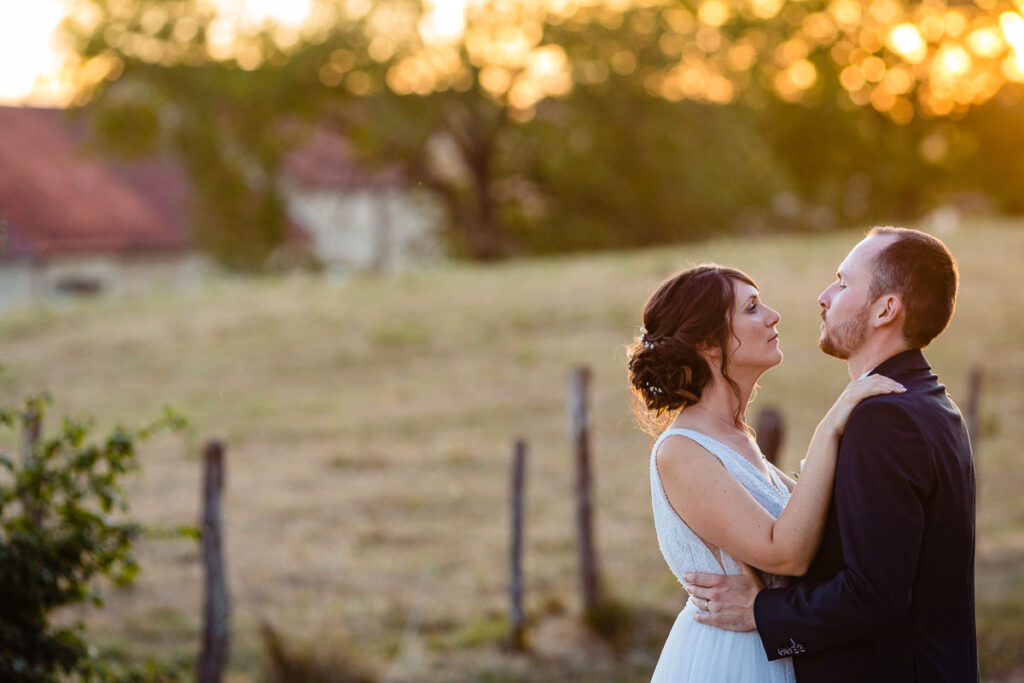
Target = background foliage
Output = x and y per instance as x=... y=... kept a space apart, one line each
x=546 y=127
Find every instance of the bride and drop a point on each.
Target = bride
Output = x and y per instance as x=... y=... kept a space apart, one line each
x=719 y=505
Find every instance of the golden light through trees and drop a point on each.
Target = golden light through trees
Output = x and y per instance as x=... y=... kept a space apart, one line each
x=505 y=47
x=903 y=59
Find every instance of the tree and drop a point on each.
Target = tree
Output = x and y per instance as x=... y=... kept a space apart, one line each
x=614 y=163
x=442 y=108
x=150 y=85
x=444 y=143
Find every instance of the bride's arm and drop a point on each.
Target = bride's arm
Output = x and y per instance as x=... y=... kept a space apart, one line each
x=724 y=514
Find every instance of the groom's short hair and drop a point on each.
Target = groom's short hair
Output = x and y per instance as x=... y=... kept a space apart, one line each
x=921 y=270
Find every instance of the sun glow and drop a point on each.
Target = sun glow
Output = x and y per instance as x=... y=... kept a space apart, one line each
x=284 y=12
x=1013 y=27
x=26 y=32
x=33 y=62
x=954 y=60
x=445 y=22
x=905 y=40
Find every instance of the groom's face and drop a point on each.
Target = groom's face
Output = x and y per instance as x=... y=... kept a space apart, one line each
x=845 y=308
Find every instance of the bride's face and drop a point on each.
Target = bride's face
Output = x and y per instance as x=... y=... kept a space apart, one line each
x=755 y=340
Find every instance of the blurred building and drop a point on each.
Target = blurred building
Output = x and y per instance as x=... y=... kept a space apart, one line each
x=72 y=223
x=356 y=218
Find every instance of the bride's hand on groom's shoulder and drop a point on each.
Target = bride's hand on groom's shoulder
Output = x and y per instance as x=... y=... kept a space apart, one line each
x=727 y=600
x=855 y=392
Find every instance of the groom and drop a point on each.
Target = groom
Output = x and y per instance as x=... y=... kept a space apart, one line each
x=890 y=595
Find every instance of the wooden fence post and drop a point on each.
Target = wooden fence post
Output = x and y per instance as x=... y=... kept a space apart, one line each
x=770 y=429
x=216 y=608
x=31 y=429
x=31 y=432
x=580 y=426
x=517 y=619
x=973 y=406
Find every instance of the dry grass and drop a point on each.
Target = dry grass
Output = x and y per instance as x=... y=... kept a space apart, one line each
x=369 y=426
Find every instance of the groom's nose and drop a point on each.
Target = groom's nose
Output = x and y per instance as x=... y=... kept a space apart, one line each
x=824 y=299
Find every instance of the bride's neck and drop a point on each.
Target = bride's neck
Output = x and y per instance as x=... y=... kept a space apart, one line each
x=719 y=400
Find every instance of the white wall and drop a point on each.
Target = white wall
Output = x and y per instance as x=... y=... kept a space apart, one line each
x=16 y=283
x=159 y=271
x=368 y=228
x=23 y=282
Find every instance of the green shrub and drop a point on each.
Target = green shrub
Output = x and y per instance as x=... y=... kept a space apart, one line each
x=62 y=524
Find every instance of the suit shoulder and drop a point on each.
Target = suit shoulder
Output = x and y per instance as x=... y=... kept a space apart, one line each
x=882 y=431
x=882 y=409
x=883 y=422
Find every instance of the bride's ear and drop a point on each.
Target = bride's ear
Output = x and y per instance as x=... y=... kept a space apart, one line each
x=709 y=351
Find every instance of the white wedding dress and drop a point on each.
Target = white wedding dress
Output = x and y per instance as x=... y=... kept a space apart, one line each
x=694 y=652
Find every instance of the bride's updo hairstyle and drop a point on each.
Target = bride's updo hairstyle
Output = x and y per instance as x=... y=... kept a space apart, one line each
x=690 y=310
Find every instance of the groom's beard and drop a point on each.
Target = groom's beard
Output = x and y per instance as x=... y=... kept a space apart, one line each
x=845 y=338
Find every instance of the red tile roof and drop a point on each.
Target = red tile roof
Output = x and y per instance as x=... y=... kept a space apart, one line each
x=56 y=199
x=326 y=161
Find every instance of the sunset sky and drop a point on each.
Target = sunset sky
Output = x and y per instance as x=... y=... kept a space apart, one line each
x=30 y=62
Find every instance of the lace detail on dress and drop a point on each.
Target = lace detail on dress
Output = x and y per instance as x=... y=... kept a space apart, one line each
x=683 y=550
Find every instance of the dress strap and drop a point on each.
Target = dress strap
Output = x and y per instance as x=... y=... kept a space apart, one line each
x=712 y=445
x=740 y=467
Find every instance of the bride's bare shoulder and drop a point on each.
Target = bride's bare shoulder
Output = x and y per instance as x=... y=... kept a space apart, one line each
x=681 y=456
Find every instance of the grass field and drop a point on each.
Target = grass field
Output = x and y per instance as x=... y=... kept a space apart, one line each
x=369 y=424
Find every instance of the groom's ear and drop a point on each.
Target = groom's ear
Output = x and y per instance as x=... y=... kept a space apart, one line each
x=887 y=310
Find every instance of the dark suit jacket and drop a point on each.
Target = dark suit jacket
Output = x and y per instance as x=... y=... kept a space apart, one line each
x=890 y=595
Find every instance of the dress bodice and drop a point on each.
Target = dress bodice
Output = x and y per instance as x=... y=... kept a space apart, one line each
x=683 y=550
